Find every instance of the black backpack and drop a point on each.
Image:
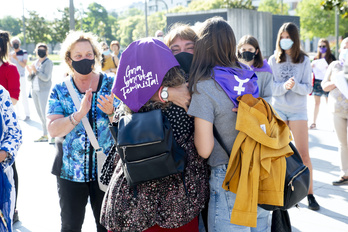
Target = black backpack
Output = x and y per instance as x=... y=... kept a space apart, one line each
x=147 y=147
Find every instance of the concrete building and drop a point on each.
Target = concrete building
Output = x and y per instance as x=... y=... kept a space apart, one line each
x=292 y=4
x=262 y=25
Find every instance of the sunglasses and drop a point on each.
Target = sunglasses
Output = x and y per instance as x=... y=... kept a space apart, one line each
x=322 y=46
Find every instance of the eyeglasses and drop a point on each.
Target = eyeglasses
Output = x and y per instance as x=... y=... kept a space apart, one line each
x=322 y=46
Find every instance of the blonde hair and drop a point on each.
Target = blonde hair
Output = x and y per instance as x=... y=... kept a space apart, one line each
x=79 y=36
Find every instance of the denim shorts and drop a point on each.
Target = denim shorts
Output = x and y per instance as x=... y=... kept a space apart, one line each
x=289 y=116
x=221 y=204
x=318 y=90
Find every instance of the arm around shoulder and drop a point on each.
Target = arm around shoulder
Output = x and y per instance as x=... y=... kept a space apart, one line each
x=204 y=137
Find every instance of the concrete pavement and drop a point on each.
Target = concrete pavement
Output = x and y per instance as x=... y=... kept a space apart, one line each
x=38 y=199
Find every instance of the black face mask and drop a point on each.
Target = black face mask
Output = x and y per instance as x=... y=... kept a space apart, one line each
x=84 y=66
x=15 y=45
x=248 y=56
x=41 y=53
x=185 y=60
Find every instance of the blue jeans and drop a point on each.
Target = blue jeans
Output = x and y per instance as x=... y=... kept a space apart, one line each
x=221 y=205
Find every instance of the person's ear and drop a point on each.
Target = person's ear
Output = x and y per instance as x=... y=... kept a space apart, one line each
x=257 y=51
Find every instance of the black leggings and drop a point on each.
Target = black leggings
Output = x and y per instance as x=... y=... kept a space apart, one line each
x=73 y=197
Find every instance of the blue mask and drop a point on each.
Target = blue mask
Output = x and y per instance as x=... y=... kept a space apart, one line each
x=286 y=44
x=343 y=55
x=106 y=53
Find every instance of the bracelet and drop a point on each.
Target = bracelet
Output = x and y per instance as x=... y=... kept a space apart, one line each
x=112 y=114
x=73 y=119
x=159 y=94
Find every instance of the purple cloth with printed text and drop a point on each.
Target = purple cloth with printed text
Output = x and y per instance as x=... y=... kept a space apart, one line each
x=141 y=70
x=236 y=82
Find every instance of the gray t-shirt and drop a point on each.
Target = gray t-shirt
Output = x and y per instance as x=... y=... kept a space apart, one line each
x=213 y=105
x=21 y=55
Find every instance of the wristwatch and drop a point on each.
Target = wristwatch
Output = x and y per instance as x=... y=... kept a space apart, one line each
x=164 y=94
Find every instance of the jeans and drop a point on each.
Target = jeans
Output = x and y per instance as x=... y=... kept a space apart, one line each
x=221 y=205
x=73 y=197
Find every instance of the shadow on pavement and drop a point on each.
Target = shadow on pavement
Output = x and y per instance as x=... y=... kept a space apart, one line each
x=18 y=227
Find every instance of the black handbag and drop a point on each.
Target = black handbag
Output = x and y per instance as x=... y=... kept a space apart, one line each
x=147 y=147
x=296 y=185
x=297 y=178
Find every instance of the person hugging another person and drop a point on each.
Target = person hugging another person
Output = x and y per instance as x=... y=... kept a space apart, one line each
x=216 y=80
x=40 y=76
x=171 y=203
x=319 y=65
x=249 y=53
x=291 y=84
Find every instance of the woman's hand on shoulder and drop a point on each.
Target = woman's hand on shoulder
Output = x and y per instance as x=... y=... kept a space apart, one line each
x=180 y=96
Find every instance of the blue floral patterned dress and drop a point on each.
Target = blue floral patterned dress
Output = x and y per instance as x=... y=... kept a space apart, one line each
x=10 y=140
x=78 y=161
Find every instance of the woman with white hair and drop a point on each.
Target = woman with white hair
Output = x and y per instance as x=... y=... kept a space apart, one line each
x=336 y=82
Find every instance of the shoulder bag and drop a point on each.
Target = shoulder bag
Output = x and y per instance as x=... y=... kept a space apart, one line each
x=146 y=145
x=100 y=153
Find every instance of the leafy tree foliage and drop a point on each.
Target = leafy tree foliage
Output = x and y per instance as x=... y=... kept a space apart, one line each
x=10 y=24
x=317 y=22
x=274 y=7
x=37 y=29
x=60 y=27
x=342 y=6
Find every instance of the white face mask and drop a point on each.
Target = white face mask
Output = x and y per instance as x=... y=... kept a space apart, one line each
x=286 y=44
x=344 y=55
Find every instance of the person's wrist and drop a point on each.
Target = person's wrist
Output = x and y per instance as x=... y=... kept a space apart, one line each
x=112 y=113
x=159 y=94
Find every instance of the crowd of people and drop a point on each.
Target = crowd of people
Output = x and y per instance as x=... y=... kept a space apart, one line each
x=197 y=80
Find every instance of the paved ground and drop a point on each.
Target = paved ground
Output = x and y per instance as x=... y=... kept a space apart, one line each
x=38 y=199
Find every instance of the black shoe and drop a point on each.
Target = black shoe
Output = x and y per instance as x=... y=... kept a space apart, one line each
x=312 y=203
x=15 y=217
x=342 y=181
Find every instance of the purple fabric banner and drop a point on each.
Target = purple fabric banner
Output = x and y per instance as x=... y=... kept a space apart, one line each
x=141 y=70
x=236 y=82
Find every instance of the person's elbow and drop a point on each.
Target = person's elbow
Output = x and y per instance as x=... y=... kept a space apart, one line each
x=204 y=150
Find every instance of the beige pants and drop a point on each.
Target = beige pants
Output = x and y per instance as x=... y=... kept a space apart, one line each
x=341 y=128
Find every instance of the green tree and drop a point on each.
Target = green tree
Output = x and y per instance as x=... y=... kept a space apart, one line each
x=13 y=25
x=37 y=29
x=60 y=27
x=97 y=21
x=127 y=27
x=342 y=6
x=274 y=7
x=317 y=22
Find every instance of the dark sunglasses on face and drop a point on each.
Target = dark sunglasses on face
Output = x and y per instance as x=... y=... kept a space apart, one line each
x=322 y=46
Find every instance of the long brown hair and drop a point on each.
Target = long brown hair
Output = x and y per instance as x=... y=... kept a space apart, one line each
x=4 y=45
x=251 y=40
x=328 y=55
x=216 y=45
x=297 y=55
